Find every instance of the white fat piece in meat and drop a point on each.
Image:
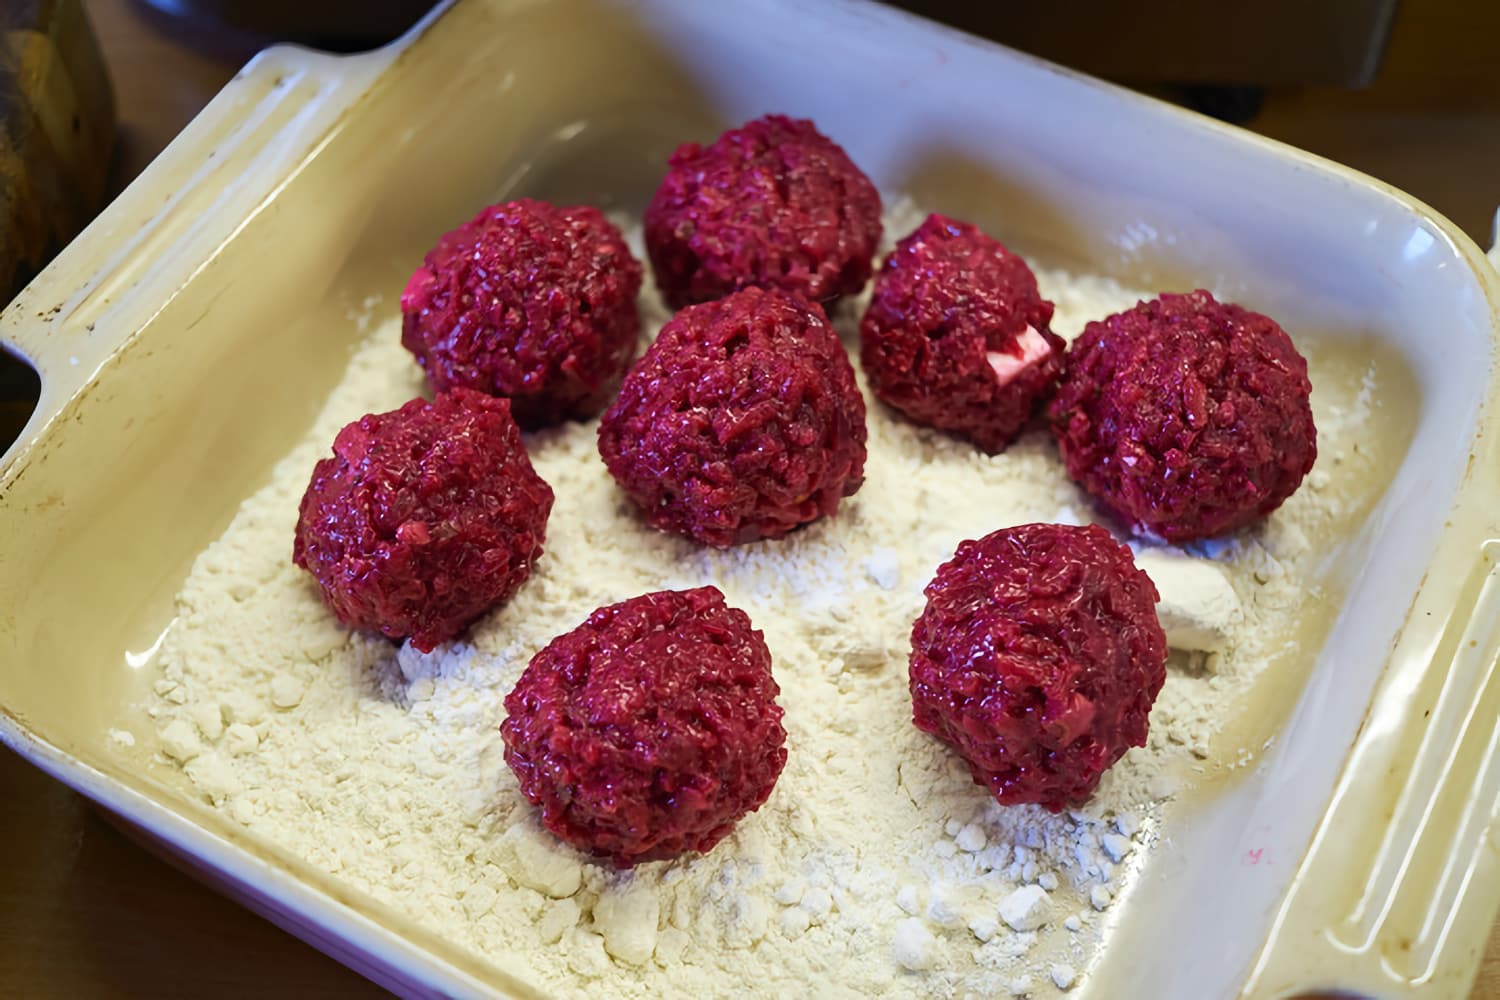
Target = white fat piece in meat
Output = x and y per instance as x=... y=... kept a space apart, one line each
x=1007 y=366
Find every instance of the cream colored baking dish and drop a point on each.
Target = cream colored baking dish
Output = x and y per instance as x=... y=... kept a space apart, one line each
x=185 y=340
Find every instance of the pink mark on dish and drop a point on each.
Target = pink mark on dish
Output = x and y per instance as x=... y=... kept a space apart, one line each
x=1007 y=366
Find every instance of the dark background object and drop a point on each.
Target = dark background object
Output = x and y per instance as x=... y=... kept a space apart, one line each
x=1227 y=102
x=1214 y=57
x=334 y=25
x=1267 y=43
x=1271 y=42
x=59 y=124
x=58 y=117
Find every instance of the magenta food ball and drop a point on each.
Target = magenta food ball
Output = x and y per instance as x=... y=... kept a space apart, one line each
x=774 y=204
x=1037 y=659
x=1186 y=417
x=531 y=302
x=956 y=335
x=425 y=518
x=650 y=729
x=742 y=421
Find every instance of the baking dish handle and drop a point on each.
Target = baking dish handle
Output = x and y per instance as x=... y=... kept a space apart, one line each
x=1398 y=892
x=177 y=215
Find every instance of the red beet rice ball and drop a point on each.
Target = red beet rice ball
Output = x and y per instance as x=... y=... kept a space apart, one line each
x=956 y=335
x=650 y=729
x=1038 y=658
x=742 y=421
x=1186 y=417
x=531 y=302
x=424 y=518
x=775 y=204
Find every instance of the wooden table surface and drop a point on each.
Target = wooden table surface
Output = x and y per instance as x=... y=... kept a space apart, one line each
x=85 y=913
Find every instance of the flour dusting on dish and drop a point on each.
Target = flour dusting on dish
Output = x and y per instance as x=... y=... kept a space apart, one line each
x=877 y=867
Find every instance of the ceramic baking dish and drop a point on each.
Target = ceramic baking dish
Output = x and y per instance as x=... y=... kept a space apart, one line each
x=186 y=339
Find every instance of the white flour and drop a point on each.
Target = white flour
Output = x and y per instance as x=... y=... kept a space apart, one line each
x=876 y=868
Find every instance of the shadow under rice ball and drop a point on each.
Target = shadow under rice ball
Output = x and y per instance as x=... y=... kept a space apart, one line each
x=1185 y=417
x=651 y=729
x=425 y=518
x=956 y=335
x=1038 y=658
x=531 y=302
x=773 y=204
x=742 y=421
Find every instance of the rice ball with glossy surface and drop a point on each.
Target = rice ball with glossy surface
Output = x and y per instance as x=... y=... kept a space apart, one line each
x=425 y=518
x=774 y=204
x=956 y=335
x=1186 y=417
x=742 y=421
x=650 y=729
x=531 y=302
x=1037 y=659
